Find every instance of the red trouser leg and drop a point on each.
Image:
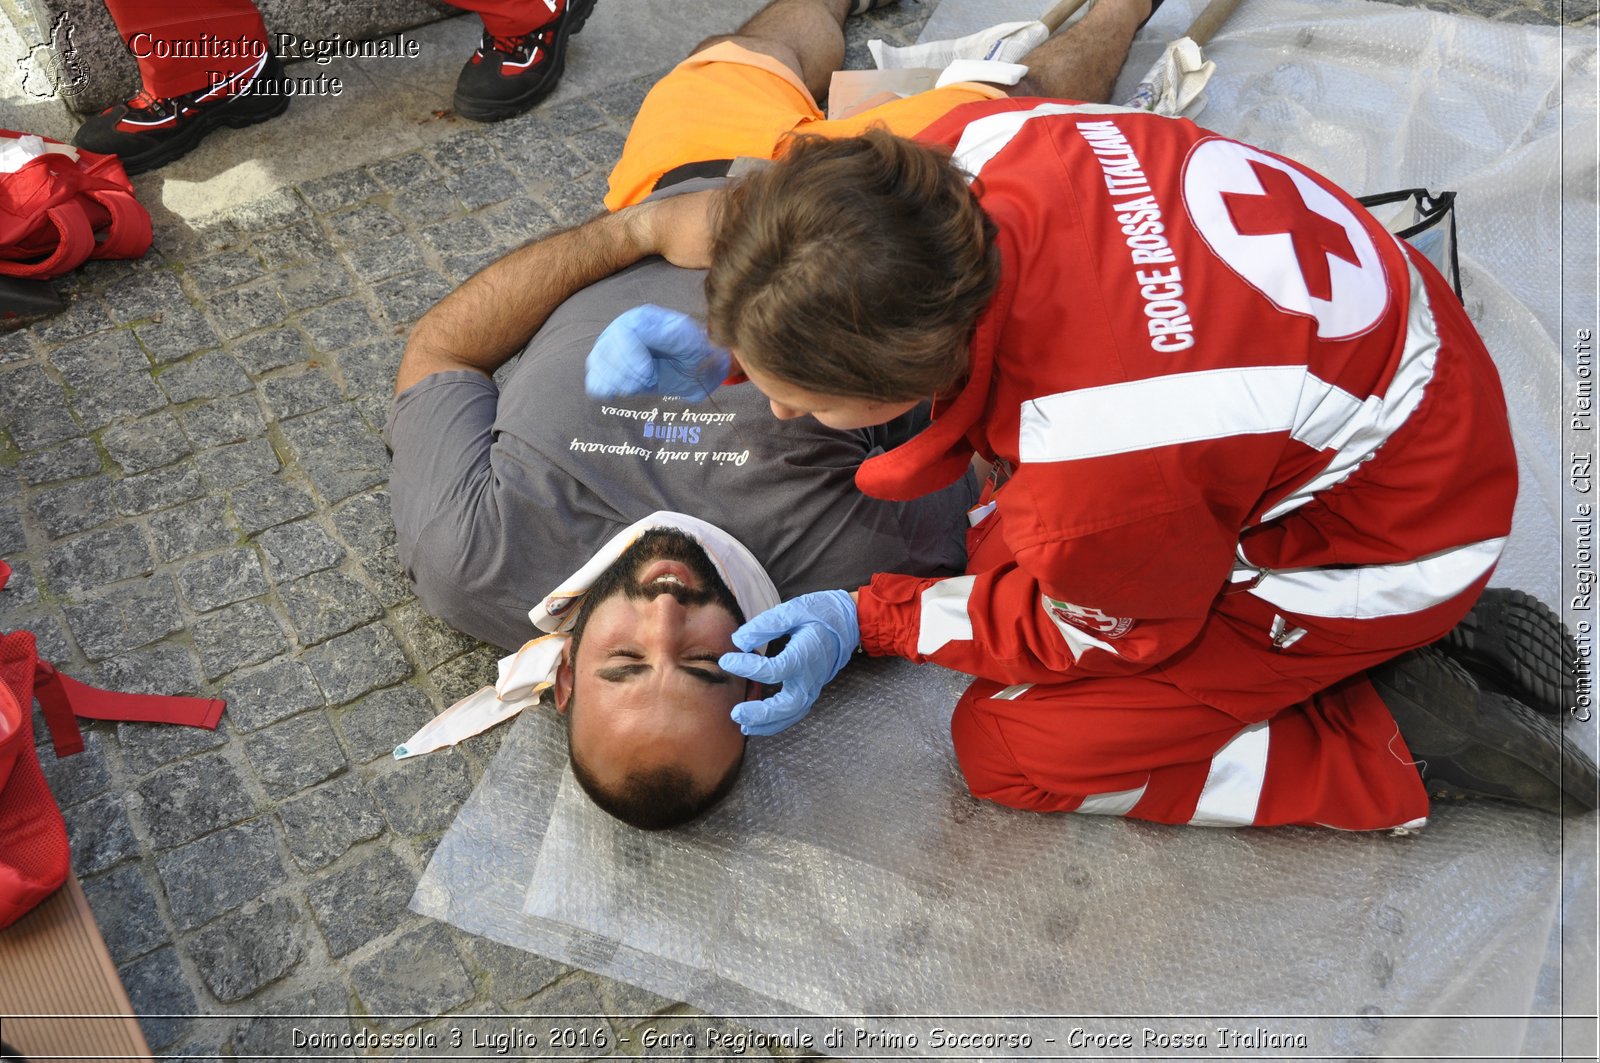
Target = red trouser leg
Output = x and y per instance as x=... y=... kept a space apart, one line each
x=1137 y=746
x=512 y=18
x=165 y=37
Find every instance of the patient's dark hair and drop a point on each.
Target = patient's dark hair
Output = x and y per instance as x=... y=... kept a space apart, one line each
x=656 y=799
x=855 y=267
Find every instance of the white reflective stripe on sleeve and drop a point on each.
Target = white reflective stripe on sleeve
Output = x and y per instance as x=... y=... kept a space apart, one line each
x=1355 y=430
x=1011 y=693
x=1113 y=804
x=1370 y=591
x=1160 y=411
x=1078 y=640
x=944 y=614
x=987 y=137
x=1233 y=786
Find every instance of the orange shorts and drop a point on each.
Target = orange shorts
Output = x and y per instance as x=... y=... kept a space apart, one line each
x=729 y=101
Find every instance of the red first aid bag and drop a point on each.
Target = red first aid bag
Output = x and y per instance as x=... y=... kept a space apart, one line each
x=57 y=211
x=34 y=858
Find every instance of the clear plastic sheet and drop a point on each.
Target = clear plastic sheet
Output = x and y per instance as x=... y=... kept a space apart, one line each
x=851 y=883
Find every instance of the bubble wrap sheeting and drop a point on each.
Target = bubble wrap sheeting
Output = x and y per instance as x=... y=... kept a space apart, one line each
x=852 y=875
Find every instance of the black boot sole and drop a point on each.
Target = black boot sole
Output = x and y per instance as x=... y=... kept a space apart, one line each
x=478 y=110
x=198 y=128
x=1480 y=743
x=1513 y=643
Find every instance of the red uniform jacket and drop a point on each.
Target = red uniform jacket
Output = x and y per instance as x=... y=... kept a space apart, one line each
x=1257 y=445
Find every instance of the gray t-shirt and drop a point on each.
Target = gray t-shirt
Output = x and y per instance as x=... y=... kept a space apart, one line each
x=499 y=493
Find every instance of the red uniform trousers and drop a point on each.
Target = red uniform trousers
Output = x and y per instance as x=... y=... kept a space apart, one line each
x=1139 y=746
x=152 y=28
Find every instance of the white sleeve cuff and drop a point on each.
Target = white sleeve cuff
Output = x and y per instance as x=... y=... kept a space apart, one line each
x=991 y=71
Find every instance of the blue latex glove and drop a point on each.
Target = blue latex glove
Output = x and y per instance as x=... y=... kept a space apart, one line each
x=823 y=633
x=650 y=350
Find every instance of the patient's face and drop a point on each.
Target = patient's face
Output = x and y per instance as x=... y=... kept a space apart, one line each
x=643 y=676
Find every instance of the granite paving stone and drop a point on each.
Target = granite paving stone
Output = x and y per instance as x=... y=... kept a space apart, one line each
x=326 y=604
x=419 y=795
x=273 y=1033
x=227 y=420
x=175 y=334
x=296 y=550
x=270 y=693
x=228 y=270
x=621 y=102
x=262 y=504
x=515 y=974
x=373 y=726
x=425 y=203
x=237 y=463
x=314 y=285
x=362 y=900
x=222 y=579
x=76 y=458
x=462 y=151
x=237 y=636
x=323 y=823
x=188 y=529
x=339 y=325
x=81 y=776
x=370 y=369
x=364 y=522
x=245 y=951
x=274 y=210
x=196 y=894
x=99 y=834
x=388 y=257
x=387 y=577
x=575 y=998
x=417 y=976
x=405 y=171
x=35 y=412
x=93 y=560
x=50 y=636
x=404 y=299
x=431 y=640
x=160 y=995
x=293 y=394
x=270 y=350
x=339 y=190
x=181 y=802
x=513 y=224
x=73 y=508
x=457 y=235
x=144 y=445
x=462 y=675
x=85 y=314
x=166 y=668
x=602 y=147
x=575 y=201
x=297 y=753
x=127 y=911
x=301 y=242
x=148 y=746
x=339 y=453
x=210 y=375
x=246 y=308
x=486 y=183
x=126 y=619
x=16 y=346
x=143 y=295
x=362 y=224
x=351 y=665
x=109 y=377
x=159 y=489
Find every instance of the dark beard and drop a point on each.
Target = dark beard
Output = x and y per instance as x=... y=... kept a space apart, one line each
x=657 y=544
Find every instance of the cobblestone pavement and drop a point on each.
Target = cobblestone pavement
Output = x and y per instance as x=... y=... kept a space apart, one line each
x=192 y=493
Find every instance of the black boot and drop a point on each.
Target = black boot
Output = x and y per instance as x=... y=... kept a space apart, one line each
x=1514 y=644
x=1471 y=742
x=508 y=75
x=146 y=132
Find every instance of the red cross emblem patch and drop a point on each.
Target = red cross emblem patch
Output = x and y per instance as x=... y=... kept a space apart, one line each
x=1287 y=236
x=1087 y=618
